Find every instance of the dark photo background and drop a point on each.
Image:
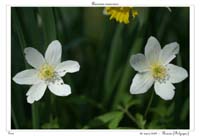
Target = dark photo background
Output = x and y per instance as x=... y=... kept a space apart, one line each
x=100 y=90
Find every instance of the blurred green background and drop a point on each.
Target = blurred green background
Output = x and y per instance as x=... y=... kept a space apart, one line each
x=100 y=90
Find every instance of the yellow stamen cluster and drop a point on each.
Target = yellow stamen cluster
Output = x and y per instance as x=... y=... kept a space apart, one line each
x=46 y=72
x=121 y=14
x=159 y=72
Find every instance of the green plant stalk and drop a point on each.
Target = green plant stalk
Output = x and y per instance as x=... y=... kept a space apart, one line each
x=48 y=26
x=179 y=89
x=35 y=117
x=149 y=104
x=116 y=49
x=129 y=115
x=14 y=118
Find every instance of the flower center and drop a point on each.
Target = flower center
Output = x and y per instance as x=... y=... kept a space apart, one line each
x=159 y=72
x=46 y=72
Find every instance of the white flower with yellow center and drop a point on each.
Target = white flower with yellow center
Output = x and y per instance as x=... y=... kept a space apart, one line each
x=47 y=72
x=154 y=68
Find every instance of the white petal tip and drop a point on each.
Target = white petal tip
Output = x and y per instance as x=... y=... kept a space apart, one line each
x=133 y=92
x=30 y=100
x=28 y=93
x=26 y=49
x=67 y=94
x=132 y=59
x=78 y=67
x=167 y=99
x=169 y=9
x=60 y=90
x=67 y=91
x=105 y=12
x=14 y=79
x=152 y=37
x=63 y=95
x=186 y=74
x=56 y=42
x=17 y=80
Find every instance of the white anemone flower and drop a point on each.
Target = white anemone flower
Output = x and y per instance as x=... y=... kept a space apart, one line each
x=46 y=72
x=154 y=68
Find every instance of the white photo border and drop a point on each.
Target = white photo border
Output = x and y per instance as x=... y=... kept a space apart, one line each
x=96 y=132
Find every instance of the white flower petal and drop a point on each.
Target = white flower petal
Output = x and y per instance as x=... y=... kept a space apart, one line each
x=141 y=83
x=60 y=89
x=67 y=67
x=36 y=92
x=176 y=74
x=27 y=77
x=105 y=11
x=139 y=62
x=169 y=52
x=170 y=10
x=34 y=57
x=152 y=50
x=164 y=90
x=53 y=53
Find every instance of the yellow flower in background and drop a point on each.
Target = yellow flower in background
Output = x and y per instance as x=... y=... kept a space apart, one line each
x=120 y=14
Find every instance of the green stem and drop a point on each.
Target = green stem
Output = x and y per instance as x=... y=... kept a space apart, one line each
x=149 y=104
x=113 y=60
x=14 y=118
x=35 y=119
x=129 y=115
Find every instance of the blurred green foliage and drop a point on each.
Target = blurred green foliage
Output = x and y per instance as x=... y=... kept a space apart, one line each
x=100 y=90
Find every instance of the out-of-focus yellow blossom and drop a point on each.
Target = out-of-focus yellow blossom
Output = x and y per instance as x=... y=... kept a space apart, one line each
x=120 y=14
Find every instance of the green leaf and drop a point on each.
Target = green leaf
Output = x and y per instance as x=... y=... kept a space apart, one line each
x=163 y=110
x=32 y=34
x=115 y=121
x=53 y=123
x=143 y=14
x=113 y=62
x=18 y=29
x=129 y=101
x=170 y=109
x=155 y=124
x=185 y=110
x=140 y=120
x=48 y=24
x=110 y=119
